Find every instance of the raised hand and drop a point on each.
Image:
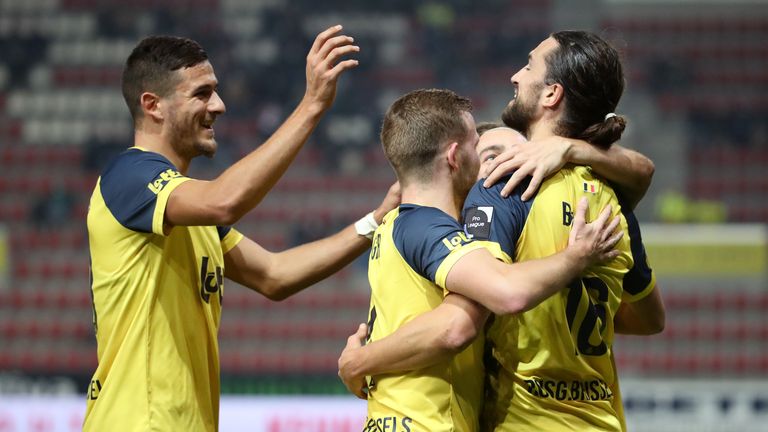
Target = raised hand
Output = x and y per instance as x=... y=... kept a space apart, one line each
x=594 y=241
x=325 y=65
x=355 y=384
x=538 y=159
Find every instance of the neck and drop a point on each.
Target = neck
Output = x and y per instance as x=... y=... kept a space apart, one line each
x=544 y=128
x=154 y=141
x=438 y=194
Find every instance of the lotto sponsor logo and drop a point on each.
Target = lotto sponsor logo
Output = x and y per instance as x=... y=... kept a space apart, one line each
x=163 y=179
x=455 y=241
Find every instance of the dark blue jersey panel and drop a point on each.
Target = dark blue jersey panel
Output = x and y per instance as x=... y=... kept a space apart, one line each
x=223 y=230
x=418 y=235
x=639 y=276
x=507 y=217
x=124 y=187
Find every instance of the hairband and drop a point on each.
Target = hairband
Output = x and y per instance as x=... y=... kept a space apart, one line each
x=609 y=115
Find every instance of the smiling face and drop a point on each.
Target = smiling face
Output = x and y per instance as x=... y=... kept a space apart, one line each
x=524 y=110
x=190 y=111
x=494 y=142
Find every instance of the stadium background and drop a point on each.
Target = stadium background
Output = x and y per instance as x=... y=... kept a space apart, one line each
x=696 y=99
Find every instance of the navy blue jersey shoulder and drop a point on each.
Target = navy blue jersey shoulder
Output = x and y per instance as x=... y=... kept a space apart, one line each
x=125 y=187
x=639 y=276
x=418 y=234
x=489 y=216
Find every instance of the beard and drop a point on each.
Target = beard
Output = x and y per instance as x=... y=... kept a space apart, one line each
x=186 y=140
x=466 y=177
x=520 y=113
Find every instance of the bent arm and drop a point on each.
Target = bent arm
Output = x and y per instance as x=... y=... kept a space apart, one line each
x=512 y=288
x=646 y=316
x=428 y=339
x=240 y=188
x=279 y=275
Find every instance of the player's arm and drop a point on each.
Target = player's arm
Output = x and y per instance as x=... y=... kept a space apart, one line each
x=428 y=339
x=629 y=171
x=513 y=288
x=241 y=187
x=278 y=275
x=646 y=316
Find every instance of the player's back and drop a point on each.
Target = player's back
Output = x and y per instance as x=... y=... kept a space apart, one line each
x=411 y=254
x=552 y=367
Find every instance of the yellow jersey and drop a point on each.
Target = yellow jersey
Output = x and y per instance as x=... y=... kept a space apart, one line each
x=552 y=368
x=413 y=250
x=156 y=304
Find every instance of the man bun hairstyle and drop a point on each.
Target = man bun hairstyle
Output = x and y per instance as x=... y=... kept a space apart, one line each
x=151 y=67
x=590 y=71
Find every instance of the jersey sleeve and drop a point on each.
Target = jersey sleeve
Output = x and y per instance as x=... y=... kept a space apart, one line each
x=491 y=218
x=640 y=280
x=136 y=187
x=431 y=242
x=229 y=238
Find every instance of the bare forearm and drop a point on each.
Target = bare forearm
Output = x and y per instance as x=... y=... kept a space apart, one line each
x=537 y=280
x=301 y=266
x=249 y=180
x=426 y=340
x=628 y=170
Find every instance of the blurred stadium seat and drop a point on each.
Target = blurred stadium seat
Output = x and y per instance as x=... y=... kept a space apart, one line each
x=61 y=116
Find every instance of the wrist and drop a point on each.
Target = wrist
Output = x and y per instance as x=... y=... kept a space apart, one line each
x=578 y=258
x=366 y=225
x=312 y=108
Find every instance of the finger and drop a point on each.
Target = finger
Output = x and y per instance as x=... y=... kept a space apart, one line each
x=333 y=43
x=339 y=52
x=500 y=171
x=614 y=240
x=533 y=186
x=581 y=212
x=513 y=181
x=360 y=393
x=323 y=36
x=603 y=217
x=611 y=228
x=362 y=331
x=341 y=67
x=611 y=255
x=501 y=158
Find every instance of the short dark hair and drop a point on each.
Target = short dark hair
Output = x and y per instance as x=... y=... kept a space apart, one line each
x=415 y=127
x=590 y=71
x=151 y=65
x=484 y=127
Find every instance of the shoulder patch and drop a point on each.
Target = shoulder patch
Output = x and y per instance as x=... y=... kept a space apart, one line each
x=477 y=222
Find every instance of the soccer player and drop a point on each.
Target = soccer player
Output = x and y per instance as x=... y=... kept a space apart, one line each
x=495 y=139
x=161 y=242
x=421 y=255
x=549 y=368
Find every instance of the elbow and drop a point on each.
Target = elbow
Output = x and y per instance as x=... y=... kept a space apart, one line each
x=647 y=170
x=458 y=336
x=226 y=214
x=656 y=324
x=513 y=301
x=274 y=292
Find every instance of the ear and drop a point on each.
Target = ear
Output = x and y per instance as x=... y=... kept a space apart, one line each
x=453 y=149
x=552 y=95
x=150 y=106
